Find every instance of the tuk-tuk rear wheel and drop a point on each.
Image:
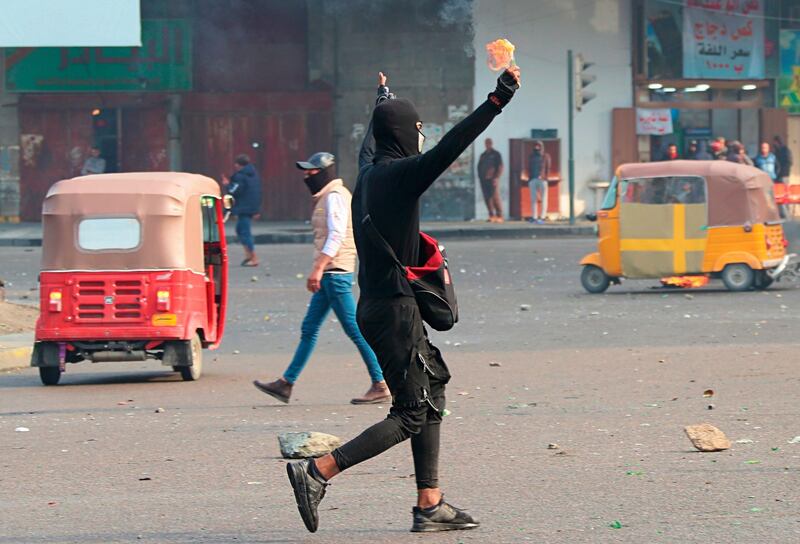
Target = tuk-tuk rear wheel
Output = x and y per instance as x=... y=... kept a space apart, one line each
x=194 y=359
x=50 y=375
x=594 y=279
x=738 y=277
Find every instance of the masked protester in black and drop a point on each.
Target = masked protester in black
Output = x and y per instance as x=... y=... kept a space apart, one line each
x=390 y=183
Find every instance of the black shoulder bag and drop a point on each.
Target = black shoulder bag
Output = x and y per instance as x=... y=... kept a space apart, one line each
x=431 y=282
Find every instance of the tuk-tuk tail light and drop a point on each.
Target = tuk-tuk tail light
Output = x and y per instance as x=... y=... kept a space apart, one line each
x=162 y=301
x=55 y=300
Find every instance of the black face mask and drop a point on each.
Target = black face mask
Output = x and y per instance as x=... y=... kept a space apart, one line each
x=394 y=125
x=316 y=182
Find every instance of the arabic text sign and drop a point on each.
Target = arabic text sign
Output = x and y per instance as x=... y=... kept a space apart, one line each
x=653 y=122
x=164 y=62
x=723 y=39
x=789 y=81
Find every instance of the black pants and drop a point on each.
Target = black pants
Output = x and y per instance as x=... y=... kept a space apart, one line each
x=416 y=375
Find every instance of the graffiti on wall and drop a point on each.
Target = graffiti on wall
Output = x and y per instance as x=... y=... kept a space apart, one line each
x=31 y=147
x=9 y=183
x=451 y=198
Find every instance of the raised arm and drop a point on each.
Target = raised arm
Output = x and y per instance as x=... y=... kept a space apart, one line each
x=367 y=152
x=426 y=168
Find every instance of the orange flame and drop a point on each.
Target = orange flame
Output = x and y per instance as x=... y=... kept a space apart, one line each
x=686 y=282
x=500 y=54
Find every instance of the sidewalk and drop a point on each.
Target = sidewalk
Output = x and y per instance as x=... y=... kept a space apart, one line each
x=15 y=350
x=299 y=232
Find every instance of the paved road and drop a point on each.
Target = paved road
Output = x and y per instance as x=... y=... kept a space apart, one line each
x=611 y=379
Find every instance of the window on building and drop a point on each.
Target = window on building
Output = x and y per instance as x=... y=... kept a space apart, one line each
x=109 y=233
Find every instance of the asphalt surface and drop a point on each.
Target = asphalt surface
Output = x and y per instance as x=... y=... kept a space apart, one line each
x=611 y=379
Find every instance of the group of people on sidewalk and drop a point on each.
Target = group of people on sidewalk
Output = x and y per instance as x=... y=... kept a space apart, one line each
x=775 y=159
x=404 y=367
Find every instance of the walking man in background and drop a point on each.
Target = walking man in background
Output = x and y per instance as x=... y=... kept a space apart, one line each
x=538 y=173
x=330 y=280
x=390 y=183
x=490 y=168
x=245 y=187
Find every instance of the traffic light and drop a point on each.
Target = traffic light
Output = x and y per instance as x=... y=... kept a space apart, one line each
x=582 y=80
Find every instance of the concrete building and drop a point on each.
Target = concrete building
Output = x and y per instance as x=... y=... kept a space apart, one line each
x=542 y=32
x=277 y=80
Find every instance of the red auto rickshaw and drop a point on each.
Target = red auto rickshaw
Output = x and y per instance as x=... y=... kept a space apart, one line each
x=134 y=267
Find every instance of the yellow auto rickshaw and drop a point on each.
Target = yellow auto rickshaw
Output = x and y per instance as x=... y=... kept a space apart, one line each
x=713 y=218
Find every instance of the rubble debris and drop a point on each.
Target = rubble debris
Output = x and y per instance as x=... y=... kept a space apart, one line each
x=706 y=437
x=524 y=307
x=301 y=445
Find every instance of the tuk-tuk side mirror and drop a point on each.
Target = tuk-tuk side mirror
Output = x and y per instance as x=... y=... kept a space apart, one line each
x=591 y=217
x=228 y=201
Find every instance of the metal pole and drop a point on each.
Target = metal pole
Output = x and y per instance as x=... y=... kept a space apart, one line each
x=570 y=139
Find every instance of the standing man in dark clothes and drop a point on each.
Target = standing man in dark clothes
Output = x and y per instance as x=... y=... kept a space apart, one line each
x=390 y=184
x=538 y=173
x=784 y=156
x=245 y=187
x=490 y=168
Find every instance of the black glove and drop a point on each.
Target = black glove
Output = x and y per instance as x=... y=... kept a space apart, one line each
x=506 y=86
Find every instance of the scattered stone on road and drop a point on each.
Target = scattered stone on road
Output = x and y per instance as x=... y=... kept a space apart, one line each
x=307 y=444
x=495 y=363
x=524 y=307
x=795 y=440
x=706 y=437
x=553 y=446
x=160 y=410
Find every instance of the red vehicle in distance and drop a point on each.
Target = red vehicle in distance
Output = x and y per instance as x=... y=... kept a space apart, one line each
x=134 y=267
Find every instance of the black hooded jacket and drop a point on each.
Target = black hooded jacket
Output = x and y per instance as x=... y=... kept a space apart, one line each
x=391 y=179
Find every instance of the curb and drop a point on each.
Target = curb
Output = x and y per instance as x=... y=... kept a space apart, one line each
x=441 y=233
x=16 y=350
x=15 y=358
x=21 y=242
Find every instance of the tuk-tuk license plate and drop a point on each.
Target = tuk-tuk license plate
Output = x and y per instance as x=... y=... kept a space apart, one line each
x=164 y=320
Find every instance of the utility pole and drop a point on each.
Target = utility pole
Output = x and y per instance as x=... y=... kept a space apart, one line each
x=570 y=139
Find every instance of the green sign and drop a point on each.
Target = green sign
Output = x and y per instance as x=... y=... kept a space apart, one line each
x=789 y=81
x=163 y=63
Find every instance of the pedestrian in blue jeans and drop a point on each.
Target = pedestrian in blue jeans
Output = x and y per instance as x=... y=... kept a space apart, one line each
x=245 y=187
x=330 y=281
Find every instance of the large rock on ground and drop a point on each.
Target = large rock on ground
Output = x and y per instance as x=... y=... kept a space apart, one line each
x=706 y=437
x=307 y=444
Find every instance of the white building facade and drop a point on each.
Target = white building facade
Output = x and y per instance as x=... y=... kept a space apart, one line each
x=543 y=31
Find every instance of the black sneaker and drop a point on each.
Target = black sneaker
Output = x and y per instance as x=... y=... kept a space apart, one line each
x=308 y=492
x=444 y=517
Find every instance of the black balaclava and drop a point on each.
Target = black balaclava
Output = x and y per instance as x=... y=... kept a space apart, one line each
x=318 y=181
x=394 y=125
